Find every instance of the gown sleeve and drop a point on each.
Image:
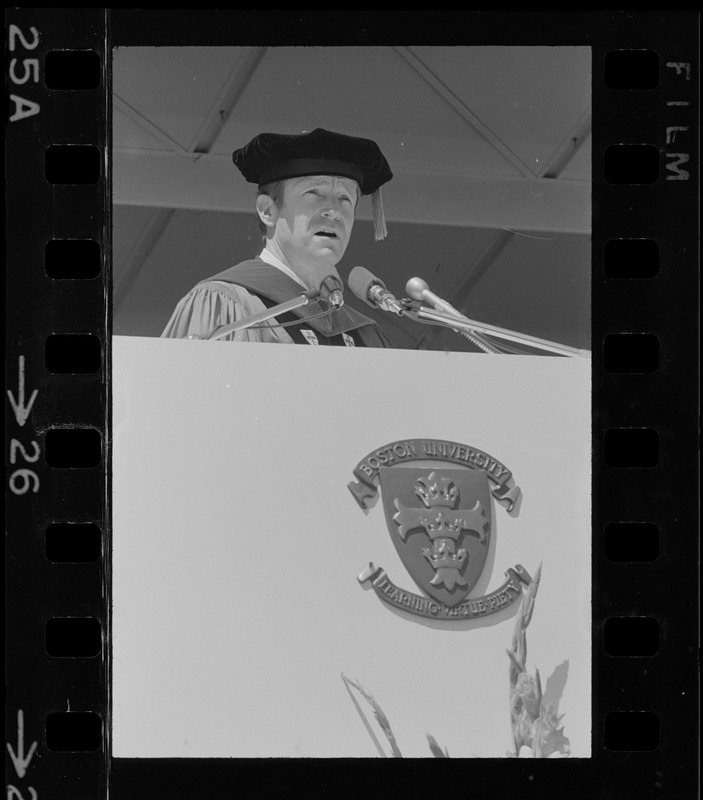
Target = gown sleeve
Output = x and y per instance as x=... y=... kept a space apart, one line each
x=212 y=304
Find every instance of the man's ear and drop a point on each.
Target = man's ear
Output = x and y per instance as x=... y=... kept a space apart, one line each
x=267 y=210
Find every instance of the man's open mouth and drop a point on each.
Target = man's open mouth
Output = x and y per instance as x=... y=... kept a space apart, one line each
x=329 y=234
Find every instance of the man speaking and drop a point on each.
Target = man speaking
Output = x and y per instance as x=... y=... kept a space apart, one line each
x=309 y=186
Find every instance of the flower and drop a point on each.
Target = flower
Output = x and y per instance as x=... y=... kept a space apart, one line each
x=547 y=737
x=527 y=694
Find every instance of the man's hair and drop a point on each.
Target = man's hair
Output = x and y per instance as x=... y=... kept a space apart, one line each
x=275 y=191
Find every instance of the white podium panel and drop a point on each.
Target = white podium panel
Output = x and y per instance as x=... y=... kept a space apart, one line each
x=237 y=544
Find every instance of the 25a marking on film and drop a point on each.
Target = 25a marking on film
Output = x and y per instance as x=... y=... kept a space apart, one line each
x=23 y=71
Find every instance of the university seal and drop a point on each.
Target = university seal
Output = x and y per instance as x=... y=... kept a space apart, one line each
x=437 y=498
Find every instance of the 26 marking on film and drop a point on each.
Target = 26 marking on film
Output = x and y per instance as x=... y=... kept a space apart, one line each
x=23 y=478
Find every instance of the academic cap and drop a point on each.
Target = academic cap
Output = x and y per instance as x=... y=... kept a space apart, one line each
x=275 y=156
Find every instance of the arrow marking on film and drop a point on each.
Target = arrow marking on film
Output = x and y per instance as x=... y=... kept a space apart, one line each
x=19 y=759
x=18 y=406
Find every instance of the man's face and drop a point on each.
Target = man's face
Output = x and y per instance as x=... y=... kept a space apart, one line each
x=314 y=222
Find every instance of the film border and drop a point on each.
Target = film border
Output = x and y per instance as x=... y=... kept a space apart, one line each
x=56 y=422
x=666 y=306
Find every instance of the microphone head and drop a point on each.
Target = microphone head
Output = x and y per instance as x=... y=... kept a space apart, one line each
x=331 y=291
x=360 y=281
x=415 y=288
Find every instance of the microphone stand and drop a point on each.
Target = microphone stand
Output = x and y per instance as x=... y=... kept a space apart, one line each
x=262 y=316
x=463 y=324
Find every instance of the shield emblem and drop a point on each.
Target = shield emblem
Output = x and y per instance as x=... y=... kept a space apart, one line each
x=440 y=522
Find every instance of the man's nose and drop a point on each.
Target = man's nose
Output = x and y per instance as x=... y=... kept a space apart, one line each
x=331 y=210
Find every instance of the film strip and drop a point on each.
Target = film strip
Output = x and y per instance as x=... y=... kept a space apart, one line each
x=58 y=391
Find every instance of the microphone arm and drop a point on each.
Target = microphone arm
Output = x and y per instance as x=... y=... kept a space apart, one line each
x=329 y=290
x=262 y=316
x=419 y=290
x=462 y=323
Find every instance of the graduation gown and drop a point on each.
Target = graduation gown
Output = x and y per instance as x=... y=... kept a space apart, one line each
x=249 y=288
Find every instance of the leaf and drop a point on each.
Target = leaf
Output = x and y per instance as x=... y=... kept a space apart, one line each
x=378 y=713
x=435 y=748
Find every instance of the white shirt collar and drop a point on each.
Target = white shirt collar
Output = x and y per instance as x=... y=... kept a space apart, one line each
x=274 y=261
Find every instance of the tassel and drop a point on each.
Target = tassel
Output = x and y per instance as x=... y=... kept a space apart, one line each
x=379 y=221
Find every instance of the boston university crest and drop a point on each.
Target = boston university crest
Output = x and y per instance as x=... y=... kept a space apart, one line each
x=437 y=498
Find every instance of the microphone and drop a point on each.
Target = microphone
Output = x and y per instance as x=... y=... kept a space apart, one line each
x=419 y=290
x=331 y=291
x=372 y=291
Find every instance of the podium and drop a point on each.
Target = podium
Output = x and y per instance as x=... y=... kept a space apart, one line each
x=237 y=547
